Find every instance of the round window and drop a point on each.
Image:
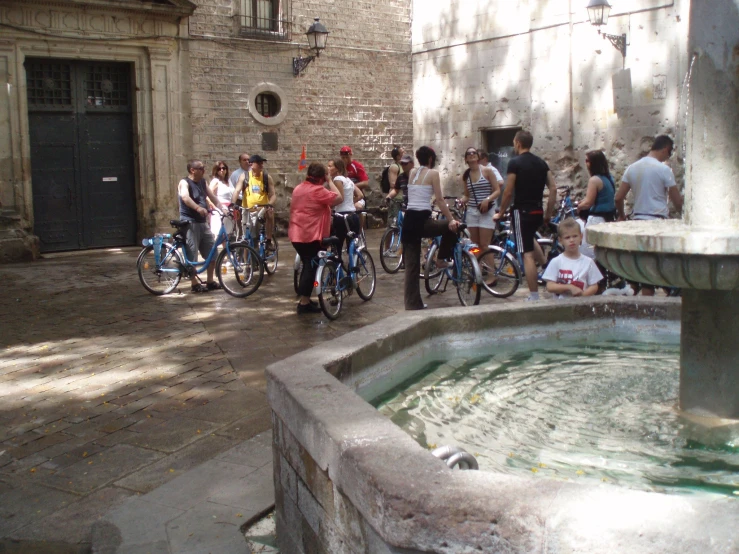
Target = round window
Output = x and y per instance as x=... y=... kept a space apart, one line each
x=268 y=104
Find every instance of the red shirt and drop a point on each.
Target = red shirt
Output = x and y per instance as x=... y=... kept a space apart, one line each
x=310 y=213
x=355 y=171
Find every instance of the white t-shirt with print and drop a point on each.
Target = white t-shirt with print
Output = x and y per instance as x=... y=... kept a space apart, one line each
x=581 y=272
x=650 y=180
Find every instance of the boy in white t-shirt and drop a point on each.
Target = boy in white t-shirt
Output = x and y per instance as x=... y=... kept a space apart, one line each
x=571 y=273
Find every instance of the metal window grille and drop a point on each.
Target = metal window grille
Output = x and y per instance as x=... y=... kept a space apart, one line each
x=266 y=19
x=268 y=105
x=107 y=86
x=49 y=84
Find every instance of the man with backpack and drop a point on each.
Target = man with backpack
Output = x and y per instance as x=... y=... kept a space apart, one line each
x=259 y=189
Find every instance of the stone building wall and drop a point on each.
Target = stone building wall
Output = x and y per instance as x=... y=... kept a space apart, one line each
x=358 y=92
x=481 y=65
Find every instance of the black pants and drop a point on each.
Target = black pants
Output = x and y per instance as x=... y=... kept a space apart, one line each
x=412 y=256
x=308 y=252
x=338 y=229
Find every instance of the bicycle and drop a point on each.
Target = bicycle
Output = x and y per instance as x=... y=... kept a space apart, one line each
x=250 y=219
x=464 y=271
x=391 y=248
x=502 y=265
x=161 y=264
x=333 y=282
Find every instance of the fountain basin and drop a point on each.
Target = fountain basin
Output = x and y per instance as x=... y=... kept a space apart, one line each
x=669 y=253
x=347 y=479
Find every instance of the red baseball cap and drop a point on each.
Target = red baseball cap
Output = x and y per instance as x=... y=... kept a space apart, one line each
x=345 y=150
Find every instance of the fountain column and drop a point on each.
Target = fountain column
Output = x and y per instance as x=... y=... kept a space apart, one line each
x=701 y=253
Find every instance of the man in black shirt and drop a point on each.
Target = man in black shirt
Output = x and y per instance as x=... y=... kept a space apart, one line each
x=527 y=176
x=193 y=195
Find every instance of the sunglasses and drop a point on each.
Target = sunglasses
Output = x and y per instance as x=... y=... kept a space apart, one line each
x=222 y=169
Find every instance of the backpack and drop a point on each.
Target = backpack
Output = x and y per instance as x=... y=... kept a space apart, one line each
x=385 y=179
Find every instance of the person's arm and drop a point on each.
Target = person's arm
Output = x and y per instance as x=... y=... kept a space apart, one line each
x=620 y=197
x=239 y=187
x=505 y=202
x=591 y=290
x=466 y=196
x=392 y=174
x=362 y=176
x=333 y=188
x=358 y=194
x=392 y=194
x=439 y=200
x=187 y=200
x=590 y=194
x=560 y=288
x=676 y=198
x=213 y=198
x=487 y=203
x=552 y=199
x=271 y=194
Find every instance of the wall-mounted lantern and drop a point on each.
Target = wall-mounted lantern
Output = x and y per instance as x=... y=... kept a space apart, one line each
x=317 y=37
x=598 y=11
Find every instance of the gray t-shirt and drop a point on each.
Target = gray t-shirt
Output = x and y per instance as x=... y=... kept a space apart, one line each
x=650 y=180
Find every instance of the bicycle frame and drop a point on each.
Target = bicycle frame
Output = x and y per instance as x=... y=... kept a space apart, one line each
x=462 y=246
x=325 y=255
x=248 y=225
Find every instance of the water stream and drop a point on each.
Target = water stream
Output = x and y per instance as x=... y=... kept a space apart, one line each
x=597 y=409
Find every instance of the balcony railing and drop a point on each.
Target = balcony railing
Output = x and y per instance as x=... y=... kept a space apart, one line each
x=272 y=22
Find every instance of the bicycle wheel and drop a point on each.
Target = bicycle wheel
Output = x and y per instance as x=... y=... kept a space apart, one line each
x=330 y=297
x=432 y=275
x=391 y=251
x=426 y=244
x=500 y=272
x=270 y=257
x=366 y=277
x=468 y=287
x=161 y=278
x=297 y=270
x=240 y=270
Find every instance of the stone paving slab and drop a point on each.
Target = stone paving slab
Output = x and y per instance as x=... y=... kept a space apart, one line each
x=93 y=368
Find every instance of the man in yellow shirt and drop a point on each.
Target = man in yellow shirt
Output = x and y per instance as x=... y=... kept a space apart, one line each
x=258 y=192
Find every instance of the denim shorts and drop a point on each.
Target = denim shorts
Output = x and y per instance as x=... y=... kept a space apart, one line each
x=477 y=219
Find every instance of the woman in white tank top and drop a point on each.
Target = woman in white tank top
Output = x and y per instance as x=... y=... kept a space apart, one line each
x=337 y=172
x=223 y=190
x=424 y=182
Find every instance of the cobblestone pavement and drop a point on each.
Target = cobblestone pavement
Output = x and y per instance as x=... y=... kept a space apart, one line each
x=107 y=391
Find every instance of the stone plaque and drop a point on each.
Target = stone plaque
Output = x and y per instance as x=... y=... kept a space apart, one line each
x=659 y=87
x=269 y=142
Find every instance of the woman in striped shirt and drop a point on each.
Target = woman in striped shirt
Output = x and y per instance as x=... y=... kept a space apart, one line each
x=481 y=188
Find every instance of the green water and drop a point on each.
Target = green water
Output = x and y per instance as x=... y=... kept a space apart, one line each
x=597 y=410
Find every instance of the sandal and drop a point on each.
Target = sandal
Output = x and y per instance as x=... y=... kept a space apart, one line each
x=198 y=288
x=213 y=286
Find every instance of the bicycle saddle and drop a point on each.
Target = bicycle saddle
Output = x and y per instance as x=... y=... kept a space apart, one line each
x=179 y=223
x=330 y=241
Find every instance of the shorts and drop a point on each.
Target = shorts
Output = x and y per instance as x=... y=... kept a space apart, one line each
x=198 y=239
x=525 y=225
x=477 y=219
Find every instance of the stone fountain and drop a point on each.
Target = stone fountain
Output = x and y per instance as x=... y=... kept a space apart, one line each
x=699 y=254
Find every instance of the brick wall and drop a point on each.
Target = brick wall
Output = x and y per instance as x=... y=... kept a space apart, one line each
x=358 y=92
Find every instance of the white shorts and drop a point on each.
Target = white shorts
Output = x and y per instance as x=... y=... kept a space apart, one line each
x=476 y=219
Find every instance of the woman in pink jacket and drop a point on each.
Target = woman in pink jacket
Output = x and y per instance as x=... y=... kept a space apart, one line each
x=310 y=221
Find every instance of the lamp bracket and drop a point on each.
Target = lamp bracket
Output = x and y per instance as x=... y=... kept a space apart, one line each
x=300 y=63
x=618 y=41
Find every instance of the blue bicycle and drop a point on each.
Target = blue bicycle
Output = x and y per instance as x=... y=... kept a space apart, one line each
x=464 y=271
x=252 y=219
x=333 y=282
x=162 y=264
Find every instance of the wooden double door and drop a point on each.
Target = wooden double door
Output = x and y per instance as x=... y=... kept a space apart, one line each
x=80 y=117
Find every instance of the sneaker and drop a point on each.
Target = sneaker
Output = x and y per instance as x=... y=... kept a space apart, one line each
x=311 y=308
x=443 y=264
x=532 y=299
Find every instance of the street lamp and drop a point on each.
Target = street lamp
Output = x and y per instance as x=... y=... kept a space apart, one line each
x=598 y=11
x=317 y=37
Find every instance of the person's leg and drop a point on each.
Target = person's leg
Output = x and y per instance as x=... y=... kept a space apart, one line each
x=647 y=290
x=412 y=289
x=434 y=228
x=485 y=238
x=529 y=264
x=307 y=251
x=270 y=222
x=525 y=226
x=191 y=249
x=539 y=257
x=338 y=229
x=207 y=240
x=474 y=234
